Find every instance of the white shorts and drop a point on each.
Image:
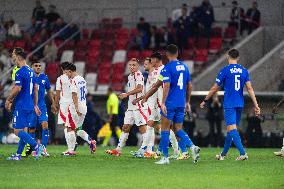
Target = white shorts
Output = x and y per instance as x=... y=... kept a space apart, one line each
x=73 y=120
x=62 y=115
x=154 y=114
x=137 y=117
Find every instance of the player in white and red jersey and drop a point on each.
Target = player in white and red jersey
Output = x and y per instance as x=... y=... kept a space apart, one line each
x=135 y=114
x=63 y=99
x=77 y=110
x=154 y=65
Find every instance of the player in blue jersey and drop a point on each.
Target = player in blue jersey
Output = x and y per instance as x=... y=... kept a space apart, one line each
x=177 y=87
x=44 y=86
x=233 y=78
x=25 y=95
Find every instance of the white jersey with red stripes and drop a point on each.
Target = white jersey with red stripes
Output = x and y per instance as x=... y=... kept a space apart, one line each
x=79 y=86
x=152 y=79
x=63 y=85
x=133 y=81
x=160 y=90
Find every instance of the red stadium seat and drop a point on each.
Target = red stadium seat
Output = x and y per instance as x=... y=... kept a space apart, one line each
x=106 y=23
x=20 y=43
x=215 y=45
x=86 y=33
x=52 y=71
x=118 y=68
x=133 y=54
x=117 y=78
x=201 y=56
x=117 y=22
x=9 y=44
x=202 y=43
x=58 y=42
x=105 y=65
x=121 y=45
x=230 y=34
x=145 y=54
x=134 y=32
x=80 y=55
x=216 y=32
x=69 y=45
x=187 y=54
x=82 y=44
x=191 y=43
x=107 y=55
x=117 y=86
x=104 y=76
x=97 y=34
x=95 y=44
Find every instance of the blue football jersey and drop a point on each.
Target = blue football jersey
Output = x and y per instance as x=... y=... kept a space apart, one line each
x=233 y=78
x=25 y=77
x=43 y=84
x=177 y=74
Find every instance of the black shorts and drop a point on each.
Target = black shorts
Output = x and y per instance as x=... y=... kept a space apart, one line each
x=114 y=121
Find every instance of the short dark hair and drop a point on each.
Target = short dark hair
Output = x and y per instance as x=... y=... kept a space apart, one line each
x=20 y=52
x=233 y=53
x=172 y=49
x=156 y=55
x=64 y=65
x=71 y=67
x=35 y=62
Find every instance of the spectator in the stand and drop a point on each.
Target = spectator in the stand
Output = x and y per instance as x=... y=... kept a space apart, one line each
x=14 y=31
x=50 y=51
x=253 y=18
x=60 y=24
x=182 y=29
x=254 y=130
x=206 y=18
x=34 y=27
x=193 y=23
x=38 y=12
x=52 y=15
x=237 y=17
x=71 y=30
x=3 y=32
x=154 y=38
x=144 y=30
x=177 y=13
x=215 y=116
x=164 y=38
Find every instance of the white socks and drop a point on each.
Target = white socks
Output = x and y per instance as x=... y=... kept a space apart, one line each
x=283 y=145
x=174 y=141
x=70 y=140
x=150 y=138
x=122 y=140
x=144 y=141
x=84 y=136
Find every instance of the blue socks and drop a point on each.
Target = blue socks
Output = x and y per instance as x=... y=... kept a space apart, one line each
x=182 y=146
x=165 y=140
x=184 y=138
x=44 y=137
x=27 y=138
x=233 y=136
x=227 y=145
x=237 y=141
x=21 y=146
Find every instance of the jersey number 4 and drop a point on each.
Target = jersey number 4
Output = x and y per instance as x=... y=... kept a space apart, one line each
x=237 y=82
x=83 y=93
x=180 y=81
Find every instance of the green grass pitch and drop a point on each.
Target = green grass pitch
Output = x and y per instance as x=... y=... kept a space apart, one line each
x=262 y=170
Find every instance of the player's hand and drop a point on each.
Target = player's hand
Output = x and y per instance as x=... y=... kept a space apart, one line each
x=143 y=101
x=54 y=109
x=79 y=113
x=164 y=109
x=257 y=111
x=202 y=105
x=37 y=111
x=123 y=96
x=135 y=101
x=8 y=105
x=187 y=107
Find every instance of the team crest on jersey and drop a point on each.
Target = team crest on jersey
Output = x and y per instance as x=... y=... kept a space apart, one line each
x=43 y=82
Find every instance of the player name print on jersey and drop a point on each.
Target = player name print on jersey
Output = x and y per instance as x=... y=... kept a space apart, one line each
x=236 y=70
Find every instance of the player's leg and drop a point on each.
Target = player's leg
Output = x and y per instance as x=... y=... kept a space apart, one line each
x=174 y=143
x=22 y=120
x=236 y=137
x=128 y=122
x=281 y=152
x=178 y=121
x=70 y=134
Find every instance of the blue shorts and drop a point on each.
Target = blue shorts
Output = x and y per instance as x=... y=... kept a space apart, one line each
x=22 y=118
x=233 y=116
x=37 y=120
x=176 y=115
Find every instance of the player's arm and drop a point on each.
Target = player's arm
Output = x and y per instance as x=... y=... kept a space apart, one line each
x=138 y=89
x=76 y=104
x=274 y=110
x=37 y=111
x=50 y=96
x=253 y=98
x=214 y=89
x=166 y=90
x=15 y=91
x=153 y=89
x=55 y=105
x=188 y=95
